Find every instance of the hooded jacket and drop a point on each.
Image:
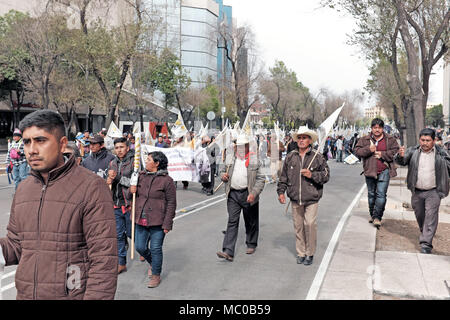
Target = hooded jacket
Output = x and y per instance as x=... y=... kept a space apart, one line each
x=62 y=235
x=99 y=162
x=307 y=190
x=442 y=169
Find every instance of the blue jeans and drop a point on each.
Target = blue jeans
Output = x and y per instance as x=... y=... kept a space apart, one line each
x=20 y=172
x=123 y=228
x=154 y=255
x=338 y=155
x=376 y=191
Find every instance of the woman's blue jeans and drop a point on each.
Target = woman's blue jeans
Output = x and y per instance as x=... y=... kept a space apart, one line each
x=20 y=173
x=376 y=191
x=154 y=254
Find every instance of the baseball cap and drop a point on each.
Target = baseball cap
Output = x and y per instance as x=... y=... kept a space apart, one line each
x=96 y=139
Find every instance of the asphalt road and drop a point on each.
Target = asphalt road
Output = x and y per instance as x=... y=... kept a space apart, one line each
x=191 y=269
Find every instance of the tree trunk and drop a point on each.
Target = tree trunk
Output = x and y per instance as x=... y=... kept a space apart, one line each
x=411 y=138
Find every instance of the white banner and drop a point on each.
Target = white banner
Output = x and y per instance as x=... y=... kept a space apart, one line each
x=181 y=165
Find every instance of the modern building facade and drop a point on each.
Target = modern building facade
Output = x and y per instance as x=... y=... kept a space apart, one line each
x=189 y=28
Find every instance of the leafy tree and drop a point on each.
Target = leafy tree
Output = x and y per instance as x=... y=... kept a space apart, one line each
x=435 y=117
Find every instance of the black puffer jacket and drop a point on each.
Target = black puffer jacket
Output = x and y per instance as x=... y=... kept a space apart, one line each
x=99 y=162
x=442 y=168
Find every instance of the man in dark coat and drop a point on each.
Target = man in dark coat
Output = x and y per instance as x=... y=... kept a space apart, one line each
x=377 y=151
x=119 y=174
x=99 y=159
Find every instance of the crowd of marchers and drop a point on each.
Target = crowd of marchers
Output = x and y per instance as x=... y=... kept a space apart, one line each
x=70 y=222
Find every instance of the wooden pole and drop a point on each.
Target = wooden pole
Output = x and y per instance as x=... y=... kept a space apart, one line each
x=132 y=225
x=222 y=181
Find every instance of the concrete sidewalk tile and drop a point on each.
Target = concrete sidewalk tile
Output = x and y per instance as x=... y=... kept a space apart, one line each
x=436 y=269
x=358 y=240
x=399 y=274
x=346 y=286
x=409 y=215
x=444 y=217
x=352 y=261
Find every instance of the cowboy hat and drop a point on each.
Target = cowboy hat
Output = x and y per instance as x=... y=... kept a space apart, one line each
x=305 y=131
x=242 y=140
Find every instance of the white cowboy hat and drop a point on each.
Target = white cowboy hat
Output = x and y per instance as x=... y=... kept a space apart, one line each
x=242 y=140
x=305 y=131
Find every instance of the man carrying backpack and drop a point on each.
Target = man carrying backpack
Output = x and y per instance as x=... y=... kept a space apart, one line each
x=16 y=155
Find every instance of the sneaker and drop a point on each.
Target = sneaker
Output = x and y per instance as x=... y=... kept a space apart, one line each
x=377 y=222
x=121 y=269
x=300 y=260
x=308 y=261
x=154 y=281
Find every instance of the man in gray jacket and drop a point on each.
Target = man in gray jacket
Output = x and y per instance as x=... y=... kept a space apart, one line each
x=244 y=182
x=427 y=179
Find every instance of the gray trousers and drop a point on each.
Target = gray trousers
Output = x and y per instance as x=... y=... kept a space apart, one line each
x=237 y=201
x=426 y=207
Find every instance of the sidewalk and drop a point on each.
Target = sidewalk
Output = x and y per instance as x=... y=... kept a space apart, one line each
x=387 y=264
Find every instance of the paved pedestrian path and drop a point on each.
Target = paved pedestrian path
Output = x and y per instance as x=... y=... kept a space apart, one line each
x=358 y=271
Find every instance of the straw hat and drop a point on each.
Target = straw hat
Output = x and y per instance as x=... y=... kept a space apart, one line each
x=305 y=131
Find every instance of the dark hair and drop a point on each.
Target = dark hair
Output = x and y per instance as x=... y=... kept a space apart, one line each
x=161 y=158
x=122 y=140
x=73 y=146
x=48 y=120
x=428 y=132
x=377 y=121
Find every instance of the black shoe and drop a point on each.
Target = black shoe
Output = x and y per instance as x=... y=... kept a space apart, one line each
x=308 y=261
x=224 y=231
x=300 y=260
x=209 y=193
x=425 y=250
x=226 y=256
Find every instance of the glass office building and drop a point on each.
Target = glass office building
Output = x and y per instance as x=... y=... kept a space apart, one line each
x=190 y=30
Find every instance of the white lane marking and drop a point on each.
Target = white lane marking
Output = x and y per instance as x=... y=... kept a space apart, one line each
x=10 y=274
x=9 y=286
x=320 y=275
x=8 y=187
x=198 y=203
x=198 y=209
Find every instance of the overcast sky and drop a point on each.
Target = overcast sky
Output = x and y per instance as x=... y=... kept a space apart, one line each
x=312 y=42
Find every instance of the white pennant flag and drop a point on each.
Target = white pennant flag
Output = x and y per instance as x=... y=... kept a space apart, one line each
x=326 y=127
x=113 y=131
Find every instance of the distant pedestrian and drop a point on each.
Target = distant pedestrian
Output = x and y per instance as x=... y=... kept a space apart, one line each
x=61 y=230
x=304 y=173
x=99 y=159
x=377 y=151
x=109 y=142
x=428 y=180
x=72 y=149
x=339 y=148
x=156 y=203
x=208 y=187
x=16 y=155
x=161 y=143
x=119 y=175
x=244 y=182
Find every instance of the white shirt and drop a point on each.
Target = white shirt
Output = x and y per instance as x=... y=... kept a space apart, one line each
x=339 y=144
x=239 y=178
x=426 y=175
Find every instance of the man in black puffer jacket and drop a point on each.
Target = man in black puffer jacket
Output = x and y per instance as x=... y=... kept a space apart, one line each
x=119 y=175
x=99 y=159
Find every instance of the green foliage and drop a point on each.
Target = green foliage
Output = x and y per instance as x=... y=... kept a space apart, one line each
x=435 y=117
x=166 y=74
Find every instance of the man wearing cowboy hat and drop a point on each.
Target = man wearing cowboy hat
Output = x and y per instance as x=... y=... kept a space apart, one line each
x=244 y=182
x=304 y=173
